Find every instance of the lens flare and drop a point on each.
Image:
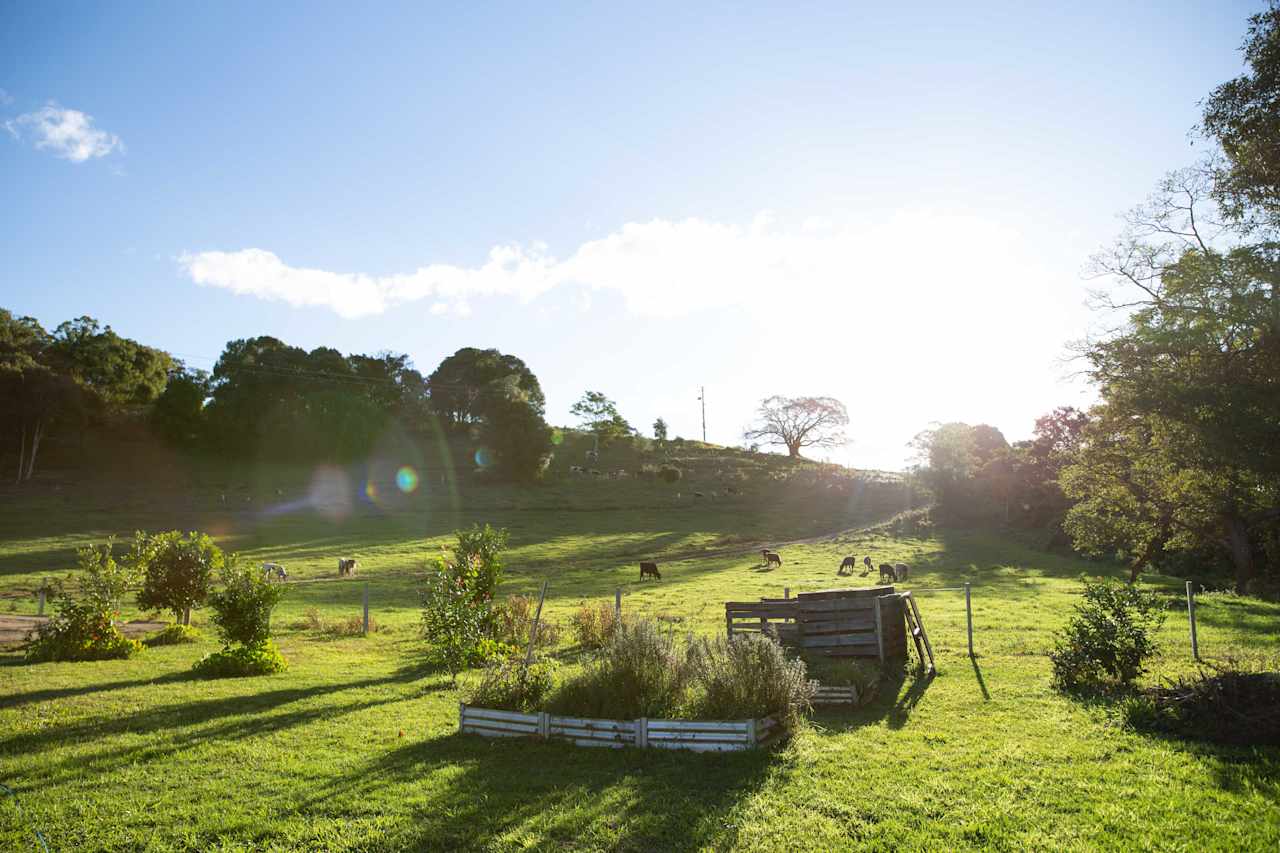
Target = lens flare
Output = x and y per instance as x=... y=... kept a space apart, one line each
x=371 y=491
x=406 y=479
x=483 y=457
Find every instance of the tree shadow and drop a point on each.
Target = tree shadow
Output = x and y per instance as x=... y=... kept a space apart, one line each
x=553 y=795
x=18 y=699
x=898 y=692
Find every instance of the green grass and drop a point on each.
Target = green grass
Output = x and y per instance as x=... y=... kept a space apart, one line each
x=134 y=755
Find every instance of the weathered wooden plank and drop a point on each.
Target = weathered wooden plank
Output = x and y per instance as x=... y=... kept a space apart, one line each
x=829 y=640
x=841 y=626
x=848 y=605
x=848 y=592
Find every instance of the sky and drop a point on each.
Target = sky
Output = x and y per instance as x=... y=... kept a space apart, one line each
x=890 y=204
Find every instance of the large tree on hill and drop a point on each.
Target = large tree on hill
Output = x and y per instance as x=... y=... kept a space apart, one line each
x=513 y=428
x=597 y=413
x=178 y=413
x=456 y=385
x=799 y=422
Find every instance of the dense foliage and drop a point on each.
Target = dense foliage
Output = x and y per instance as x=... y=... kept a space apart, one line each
x=748 y=677
x=510 y=686
x=458 y=387
x=1223 y=703
x=176 y=570
x=459 y=620
x=83 y=625
x=241 y=661
x=1108 y=639
x=242 y=607
x=599 y=415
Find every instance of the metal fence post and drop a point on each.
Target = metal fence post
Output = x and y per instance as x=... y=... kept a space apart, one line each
x=366 y=608
x=968 y=616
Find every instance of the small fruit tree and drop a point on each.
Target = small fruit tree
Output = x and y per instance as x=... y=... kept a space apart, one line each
x=242 y=612
x=458 y=617
x=176 y=570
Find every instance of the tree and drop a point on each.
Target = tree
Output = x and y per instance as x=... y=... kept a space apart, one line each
x=176 y=571
x=1241 y=116
x=800 y=422
x=178 y=413
x=33 y=394
x=514 y=430
x=660 y=429
x=599 y=414
x=456 y=385
x=969 y=468
x=1188 y=432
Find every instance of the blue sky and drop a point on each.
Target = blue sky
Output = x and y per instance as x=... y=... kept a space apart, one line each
x=890 y=204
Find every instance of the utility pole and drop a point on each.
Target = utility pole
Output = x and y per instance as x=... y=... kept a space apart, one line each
x=702 y=397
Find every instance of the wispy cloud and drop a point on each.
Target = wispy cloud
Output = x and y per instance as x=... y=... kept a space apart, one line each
x=665 y=268
x=69 y=134
x=5 y=98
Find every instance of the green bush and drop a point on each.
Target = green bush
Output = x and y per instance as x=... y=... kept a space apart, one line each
x=242 y=608
x=642 y=672
x=1106 y=642
x=173 y=635
x=83 y=628
x=748 y=677
x=176 y=570
x=239 y=661
x=508 y=686
x=458 y=618
x=670 y=473
x=80 y=631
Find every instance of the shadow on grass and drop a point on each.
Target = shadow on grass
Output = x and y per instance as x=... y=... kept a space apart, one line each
x=899 y=691
x=521 y=793
x=982 y=684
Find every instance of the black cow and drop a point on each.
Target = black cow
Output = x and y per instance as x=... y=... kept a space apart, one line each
x=650 y=569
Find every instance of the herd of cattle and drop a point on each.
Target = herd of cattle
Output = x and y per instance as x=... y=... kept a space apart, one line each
x=346 y=568
x=897 y=572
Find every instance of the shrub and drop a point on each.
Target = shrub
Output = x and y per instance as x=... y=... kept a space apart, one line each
x=514 y=620
x=83 y=628
x=173 y=635
x=595 y=624
x=748 y=677
x=670 y=473
x=642 y=672
x=242 y=608
x=80 y=631
x=239 y=661
x=1107 y=640
x=1225 y=704
x=509 y=686
x=176 y=570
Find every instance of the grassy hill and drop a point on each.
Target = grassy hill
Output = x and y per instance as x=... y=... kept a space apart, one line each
x=355 y=747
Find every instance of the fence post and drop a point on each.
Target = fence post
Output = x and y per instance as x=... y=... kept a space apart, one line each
x=1191 y=615
x=40 y=596
x=617 y=602
x=968 y=616
x=366 y=608
x=642 y=733
x=786 y=592
x=533 y=630
x=186 y=616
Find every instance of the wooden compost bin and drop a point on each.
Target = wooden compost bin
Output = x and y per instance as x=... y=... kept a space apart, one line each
x=867 y=622
x=696 y=735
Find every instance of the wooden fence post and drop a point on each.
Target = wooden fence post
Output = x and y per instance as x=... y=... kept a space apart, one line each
x=879 y=631
x=186 y=616
x=533 y=630
x=366 y=608
x=1191 y=615
x=968 y=616
x=40 y=596
x=786 y=592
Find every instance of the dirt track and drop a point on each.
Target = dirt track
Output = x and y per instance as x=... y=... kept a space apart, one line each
x=14 y=629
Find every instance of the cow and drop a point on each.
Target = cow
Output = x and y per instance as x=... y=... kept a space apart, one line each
x=347 y=566
x=887 y=571
x=900 y=571
x=274 y=569
x=866 y=561
x=650 y=569
x=771 y=557
x=849 y=563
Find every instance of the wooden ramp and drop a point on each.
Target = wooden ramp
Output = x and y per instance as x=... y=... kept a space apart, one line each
x=916 y=629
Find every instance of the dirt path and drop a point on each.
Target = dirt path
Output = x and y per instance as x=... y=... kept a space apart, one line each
x=15 y=629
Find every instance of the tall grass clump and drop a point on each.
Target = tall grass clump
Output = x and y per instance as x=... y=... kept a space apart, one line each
x=748 y=677
x=641 y=672
x=510 y=686
x=515 y=620
x=595 y=624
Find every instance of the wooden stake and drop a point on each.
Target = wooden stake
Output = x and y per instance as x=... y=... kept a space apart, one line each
x=968 y=616
x=1191 y=616
x=533 y=631
x=617 y=602
x=786 y=592
x=366 y=608
x=40 y=605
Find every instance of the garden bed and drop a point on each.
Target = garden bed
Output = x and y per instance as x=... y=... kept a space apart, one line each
x=696 y=735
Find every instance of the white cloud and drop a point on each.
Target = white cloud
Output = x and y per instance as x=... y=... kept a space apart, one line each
x=5 y=98
x=69 y=134
x=913 y=259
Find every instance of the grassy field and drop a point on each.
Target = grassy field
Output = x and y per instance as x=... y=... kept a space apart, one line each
x=355 y=747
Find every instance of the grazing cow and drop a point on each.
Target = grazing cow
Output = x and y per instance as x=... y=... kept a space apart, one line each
x=270 y=569
x=593 y=472
x=347 y=566
x=698 y=495
x=866 y=561
x=849 y=563
x=886 y=571
x=900 y=571
x=771 y=558
x=593 y=456
x=650 y=569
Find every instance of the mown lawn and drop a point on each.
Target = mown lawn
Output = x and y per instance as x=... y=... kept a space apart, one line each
x=355 y=747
